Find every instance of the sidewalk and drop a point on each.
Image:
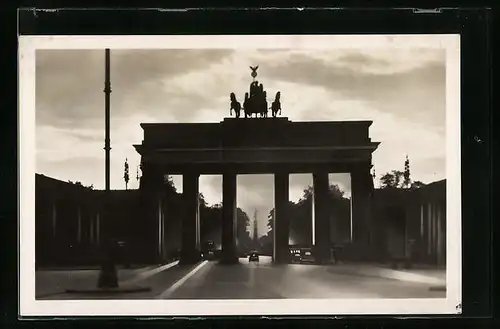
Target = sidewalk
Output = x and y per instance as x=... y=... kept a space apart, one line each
x=417 y=274
x=57 y=281
x=92 y=267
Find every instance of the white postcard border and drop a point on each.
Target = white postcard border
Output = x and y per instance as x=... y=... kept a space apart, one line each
x=31 y=307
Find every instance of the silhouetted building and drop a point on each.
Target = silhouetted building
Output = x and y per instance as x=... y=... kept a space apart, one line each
x=408 y=224
x=68 y=224
x=411 y=223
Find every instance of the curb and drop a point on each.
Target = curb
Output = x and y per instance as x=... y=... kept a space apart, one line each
x=411 y=277
x=391 y=274
x=119 y=290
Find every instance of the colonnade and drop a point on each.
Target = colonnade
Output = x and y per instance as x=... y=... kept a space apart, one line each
x=151 y=188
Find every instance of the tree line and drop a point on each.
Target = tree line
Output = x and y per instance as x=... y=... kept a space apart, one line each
x=300 y=215
x=400 y=179
x=210 y=217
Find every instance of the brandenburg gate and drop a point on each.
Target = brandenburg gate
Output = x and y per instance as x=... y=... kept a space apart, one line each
x=257 y=145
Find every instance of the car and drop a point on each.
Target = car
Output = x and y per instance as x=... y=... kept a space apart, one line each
x=208 y=255
x=296 y=257
x=253 y=257
x=307 y=257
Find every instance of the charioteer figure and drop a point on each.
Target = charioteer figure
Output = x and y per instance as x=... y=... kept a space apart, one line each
x=254 y=89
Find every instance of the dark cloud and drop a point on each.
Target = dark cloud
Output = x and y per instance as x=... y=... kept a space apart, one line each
x=70 y=83
x=87 y=136
x=418 y=94
x=358 y=60
x=164 y=104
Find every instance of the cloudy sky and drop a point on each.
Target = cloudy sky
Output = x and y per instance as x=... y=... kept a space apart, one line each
x=401 y=89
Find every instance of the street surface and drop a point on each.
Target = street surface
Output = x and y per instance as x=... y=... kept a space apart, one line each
x=263 y=280
x=260 y=280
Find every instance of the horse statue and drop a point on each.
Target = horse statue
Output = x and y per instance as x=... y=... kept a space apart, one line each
x=235 y=105
x=276 y=105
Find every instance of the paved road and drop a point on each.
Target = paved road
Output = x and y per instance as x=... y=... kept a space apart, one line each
x=263 y=280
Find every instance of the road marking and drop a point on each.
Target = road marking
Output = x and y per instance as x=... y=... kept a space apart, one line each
x=148 y=273
x=181 y=281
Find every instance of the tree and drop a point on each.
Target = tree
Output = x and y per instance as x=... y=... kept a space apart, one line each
x=406 y=175
x=79 y=184
x=210 y=220
x=335 y=192
x=391 y=179
x=398 y=175
x=301 y=213
x=306 y=194
x=169 y=183
x=387 y=180
x=270 y=220
x=242 y=233
x=301 y=221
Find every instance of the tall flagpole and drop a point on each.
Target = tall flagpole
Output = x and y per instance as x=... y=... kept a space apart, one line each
x=108 y=276
x=107 y=93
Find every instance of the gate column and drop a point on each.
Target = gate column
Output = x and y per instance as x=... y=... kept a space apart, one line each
x=228 y=237
x=190 y=250
x=322 y=219
x=362 y=189
x=149 y=211
x=281 y=218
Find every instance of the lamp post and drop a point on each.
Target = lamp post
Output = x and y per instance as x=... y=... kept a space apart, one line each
x=108 y=276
